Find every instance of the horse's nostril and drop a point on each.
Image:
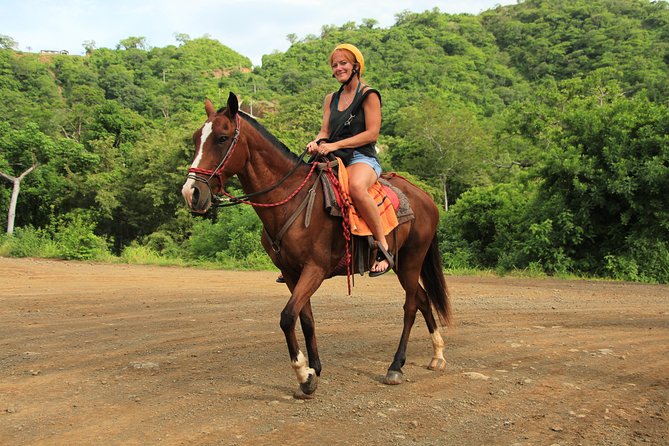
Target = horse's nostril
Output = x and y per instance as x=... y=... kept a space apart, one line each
x=196 y=196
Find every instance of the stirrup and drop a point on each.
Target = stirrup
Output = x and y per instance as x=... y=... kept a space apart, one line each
x=381 y=255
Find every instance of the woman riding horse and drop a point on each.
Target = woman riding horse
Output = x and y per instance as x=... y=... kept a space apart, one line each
x=355 y=143
x=303 y=239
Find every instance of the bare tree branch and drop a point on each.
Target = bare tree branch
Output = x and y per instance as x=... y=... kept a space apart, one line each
x=16 y=181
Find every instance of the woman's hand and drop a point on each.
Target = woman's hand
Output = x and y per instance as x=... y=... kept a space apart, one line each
x=312 y=147
x=326 y=147
x=320 y=149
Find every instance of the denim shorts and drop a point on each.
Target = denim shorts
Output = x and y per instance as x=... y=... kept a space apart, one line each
x=369 y=160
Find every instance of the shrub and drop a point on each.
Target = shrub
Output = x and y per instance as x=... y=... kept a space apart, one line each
x=541 y=249
x=652 y=256
x=28 y=242
x=484 y=224
x=621 y=268
x=75 y=238
x=5 y=245
x=144 y=255
x=162 y=243
x=206 y=240
x=233 y=238
x=645 y=260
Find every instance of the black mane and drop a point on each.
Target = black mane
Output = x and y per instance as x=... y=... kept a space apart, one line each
x=266 y=134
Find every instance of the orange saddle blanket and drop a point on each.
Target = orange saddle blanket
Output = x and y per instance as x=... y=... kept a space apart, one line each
x=386 y=200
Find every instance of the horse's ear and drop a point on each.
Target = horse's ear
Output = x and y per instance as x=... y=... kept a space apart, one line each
x=209 y=107
x=233 y=105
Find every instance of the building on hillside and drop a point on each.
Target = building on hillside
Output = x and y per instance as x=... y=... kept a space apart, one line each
x=54 y=52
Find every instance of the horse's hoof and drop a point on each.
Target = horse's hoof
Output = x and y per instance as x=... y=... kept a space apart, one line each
x=393 y=378
x=437 y=364
x=300 y=395
x=307 y=388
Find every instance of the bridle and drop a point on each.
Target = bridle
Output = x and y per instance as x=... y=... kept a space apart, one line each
x=198 y=174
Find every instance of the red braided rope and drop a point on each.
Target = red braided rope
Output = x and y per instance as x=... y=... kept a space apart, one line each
x=279 y=203
x=344 y=205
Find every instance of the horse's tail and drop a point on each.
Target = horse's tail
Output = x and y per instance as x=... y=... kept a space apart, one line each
x=434 y=282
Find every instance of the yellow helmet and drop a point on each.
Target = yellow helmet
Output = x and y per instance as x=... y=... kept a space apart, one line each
x=356 y=53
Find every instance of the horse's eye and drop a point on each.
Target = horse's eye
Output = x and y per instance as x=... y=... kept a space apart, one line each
x=221 y=139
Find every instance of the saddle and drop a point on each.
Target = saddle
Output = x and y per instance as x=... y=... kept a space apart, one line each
x=382 y=192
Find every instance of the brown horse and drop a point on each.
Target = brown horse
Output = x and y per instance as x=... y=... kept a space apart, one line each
x=232 y=143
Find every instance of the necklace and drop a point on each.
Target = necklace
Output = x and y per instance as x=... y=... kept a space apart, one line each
x=346 y=101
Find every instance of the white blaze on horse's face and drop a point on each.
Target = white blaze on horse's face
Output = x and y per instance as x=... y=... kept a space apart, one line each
x=207 y=129
x=187 y=188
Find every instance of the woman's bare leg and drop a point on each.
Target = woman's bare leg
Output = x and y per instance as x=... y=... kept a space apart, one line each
x=360 y=178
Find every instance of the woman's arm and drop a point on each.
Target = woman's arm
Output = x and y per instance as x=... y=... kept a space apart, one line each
x=313 y=147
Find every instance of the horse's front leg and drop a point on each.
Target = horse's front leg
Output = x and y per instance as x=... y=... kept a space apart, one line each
x=298 y=305
x=309 y=329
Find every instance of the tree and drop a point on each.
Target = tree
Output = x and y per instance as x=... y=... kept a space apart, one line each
x=133 y=43
x=11 y=214
x=181 y=37
x=369 y=23
x=608 y=166
x=89 y=46
x=7 y=43
x=570 y=95
x=441 y=142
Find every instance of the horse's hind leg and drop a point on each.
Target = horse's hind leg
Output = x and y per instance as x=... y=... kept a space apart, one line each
x=416 y=299
x=438 y=361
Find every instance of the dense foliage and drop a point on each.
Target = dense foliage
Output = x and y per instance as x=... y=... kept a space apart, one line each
x=542 y=127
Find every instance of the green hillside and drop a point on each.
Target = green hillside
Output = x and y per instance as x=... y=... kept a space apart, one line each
x=543 y=127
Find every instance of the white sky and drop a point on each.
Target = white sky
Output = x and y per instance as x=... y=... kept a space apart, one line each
x=250 y=27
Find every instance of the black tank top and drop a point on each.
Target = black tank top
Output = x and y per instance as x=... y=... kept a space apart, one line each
x=353 y=124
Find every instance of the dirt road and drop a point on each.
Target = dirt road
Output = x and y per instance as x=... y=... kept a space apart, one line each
x=130 y=355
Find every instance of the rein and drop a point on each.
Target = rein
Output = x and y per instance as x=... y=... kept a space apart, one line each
x=243 y=199
x=234 y=200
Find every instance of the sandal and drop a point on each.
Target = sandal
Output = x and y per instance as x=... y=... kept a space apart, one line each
x=381 y=255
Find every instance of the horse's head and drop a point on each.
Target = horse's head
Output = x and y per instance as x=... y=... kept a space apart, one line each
x=217 y=156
